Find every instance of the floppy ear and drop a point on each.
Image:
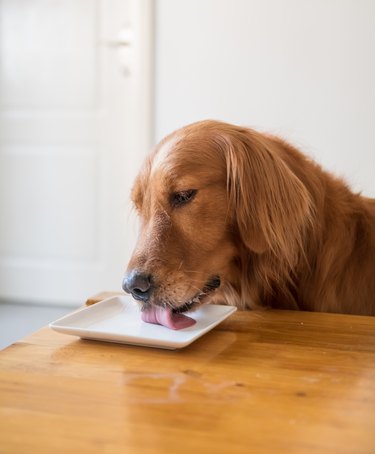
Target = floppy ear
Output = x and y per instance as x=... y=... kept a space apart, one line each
x=271 y=206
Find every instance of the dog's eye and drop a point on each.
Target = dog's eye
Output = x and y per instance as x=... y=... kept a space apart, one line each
x=182 y=197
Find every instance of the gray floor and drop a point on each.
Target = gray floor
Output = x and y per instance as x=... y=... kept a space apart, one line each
x=20 y=320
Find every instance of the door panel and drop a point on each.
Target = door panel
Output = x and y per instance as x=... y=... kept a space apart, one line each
x=48 y=53
x=40 y=217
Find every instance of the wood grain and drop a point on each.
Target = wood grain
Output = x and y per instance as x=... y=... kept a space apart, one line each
x=262 y=382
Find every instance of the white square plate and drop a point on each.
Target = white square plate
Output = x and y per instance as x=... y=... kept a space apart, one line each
x=118 y=319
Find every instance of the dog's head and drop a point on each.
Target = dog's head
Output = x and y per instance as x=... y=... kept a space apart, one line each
x=208 y=192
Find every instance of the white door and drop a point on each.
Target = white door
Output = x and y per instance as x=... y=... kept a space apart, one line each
x=74 y=127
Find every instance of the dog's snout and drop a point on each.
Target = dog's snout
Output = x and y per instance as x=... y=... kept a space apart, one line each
x=138 y=284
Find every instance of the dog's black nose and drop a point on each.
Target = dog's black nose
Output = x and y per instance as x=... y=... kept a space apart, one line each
x=138 y=284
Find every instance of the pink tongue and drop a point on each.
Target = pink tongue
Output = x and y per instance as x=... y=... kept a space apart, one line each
x=166 y=317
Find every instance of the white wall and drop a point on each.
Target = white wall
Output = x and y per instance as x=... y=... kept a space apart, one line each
x=304 y=69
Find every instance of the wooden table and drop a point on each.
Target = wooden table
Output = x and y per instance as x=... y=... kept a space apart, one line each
x=261 y=382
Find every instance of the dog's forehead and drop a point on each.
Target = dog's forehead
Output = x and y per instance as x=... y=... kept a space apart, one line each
x=172 y=161
x=182 y=155
x=163 y=155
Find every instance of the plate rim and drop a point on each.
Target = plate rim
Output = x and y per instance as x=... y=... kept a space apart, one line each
x=131 y=340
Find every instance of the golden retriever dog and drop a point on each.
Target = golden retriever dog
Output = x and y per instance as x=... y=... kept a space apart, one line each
x=233 y=216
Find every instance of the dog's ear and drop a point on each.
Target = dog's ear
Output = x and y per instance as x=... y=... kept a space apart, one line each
x=271 y=206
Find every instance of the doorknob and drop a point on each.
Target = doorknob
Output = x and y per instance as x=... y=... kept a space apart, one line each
x=123 y=44
x=124 y=38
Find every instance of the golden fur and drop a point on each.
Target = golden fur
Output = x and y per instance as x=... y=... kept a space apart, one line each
x=276 y=228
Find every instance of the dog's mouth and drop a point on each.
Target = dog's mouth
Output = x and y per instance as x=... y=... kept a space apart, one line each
x=209 y=287
x=173 y=317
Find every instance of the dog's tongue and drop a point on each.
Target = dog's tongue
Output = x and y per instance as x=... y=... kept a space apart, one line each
x=165 y=317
